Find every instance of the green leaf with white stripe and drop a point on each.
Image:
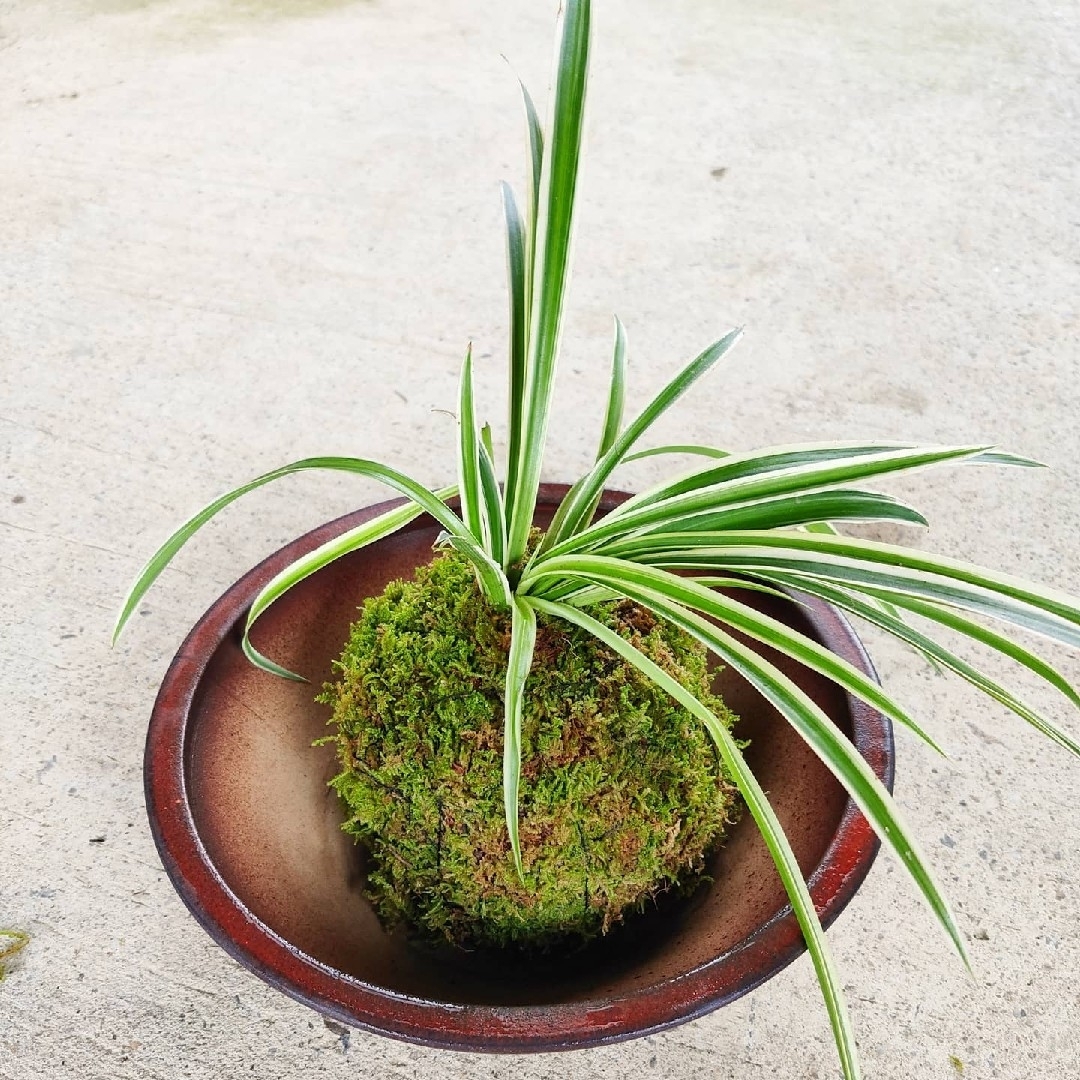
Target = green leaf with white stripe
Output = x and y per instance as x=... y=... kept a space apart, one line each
x=763 y=461
x=678 y=448
x=767 y=460
x=757 y=803
x=536 y=169
x=574 y=512
x=612 y=426
x=519 y=661
x=352 y=540
x=494 y=518
x=550 y=262
x=489 y=574
x=666 y=594
x=517 y=264
x=741 y=479
x=937 y=653
x=622 y=576
x=161 y=558
x=779 y=512
x=617 y=394
x=472 y=500
x=890 y=571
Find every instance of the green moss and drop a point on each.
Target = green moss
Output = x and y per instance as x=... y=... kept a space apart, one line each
x=622 y=794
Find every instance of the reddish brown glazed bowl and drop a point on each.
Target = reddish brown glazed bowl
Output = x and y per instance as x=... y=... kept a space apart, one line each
x=249 y=833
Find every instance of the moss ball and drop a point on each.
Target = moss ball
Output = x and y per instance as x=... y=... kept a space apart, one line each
x=622 y=793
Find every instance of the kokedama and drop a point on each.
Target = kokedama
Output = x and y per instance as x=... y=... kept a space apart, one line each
x=622 y=792
x=528 y=739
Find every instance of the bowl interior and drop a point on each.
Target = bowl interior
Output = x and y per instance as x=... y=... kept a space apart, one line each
x=271 y=827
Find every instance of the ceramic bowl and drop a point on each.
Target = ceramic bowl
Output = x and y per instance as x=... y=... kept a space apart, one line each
x=250 y=835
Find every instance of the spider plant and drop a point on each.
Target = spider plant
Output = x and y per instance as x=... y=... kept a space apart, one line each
x=757 y=520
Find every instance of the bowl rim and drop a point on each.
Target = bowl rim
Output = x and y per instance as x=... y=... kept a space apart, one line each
x=504 y=1029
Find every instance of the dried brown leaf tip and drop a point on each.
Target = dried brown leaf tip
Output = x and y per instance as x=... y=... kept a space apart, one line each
x=12 y=942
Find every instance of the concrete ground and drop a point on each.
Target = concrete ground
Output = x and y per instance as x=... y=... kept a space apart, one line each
x=235 y=233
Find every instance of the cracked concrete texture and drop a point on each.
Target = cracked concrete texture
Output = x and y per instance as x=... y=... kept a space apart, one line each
x=235 y=233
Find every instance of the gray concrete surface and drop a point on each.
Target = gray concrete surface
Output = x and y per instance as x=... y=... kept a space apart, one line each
x=234 y=233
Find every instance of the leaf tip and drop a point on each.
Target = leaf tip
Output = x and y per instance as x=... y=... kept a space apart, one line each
x=267 y=665
x=968 y=967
